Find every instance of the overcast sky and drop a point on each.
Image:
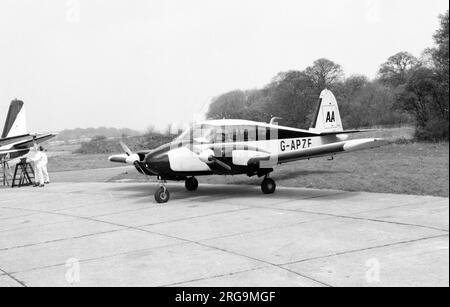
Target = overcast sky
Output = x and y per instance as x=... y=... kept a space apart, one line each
x=121 y=63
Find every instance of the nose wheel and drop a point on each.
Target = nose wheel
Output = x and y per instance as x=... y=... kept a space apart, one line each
x=268 y=186
x=191 y=184
x=162 y=195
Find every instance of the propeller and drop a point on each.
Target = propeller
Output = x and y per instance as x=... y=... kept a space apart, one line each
x=129 y=157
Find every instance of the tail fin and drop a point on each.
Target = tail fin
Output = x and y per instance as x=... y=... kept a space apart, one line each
x=327 y=118
x=16 y=120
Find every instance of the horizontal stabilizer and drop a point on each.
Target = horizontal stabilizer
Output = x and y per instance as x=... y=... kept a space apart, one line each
x=361 y=144
x=347 y=132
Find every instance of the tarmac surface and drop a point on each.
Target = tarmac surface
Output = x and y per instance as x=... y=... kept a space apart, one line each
x=114 y=234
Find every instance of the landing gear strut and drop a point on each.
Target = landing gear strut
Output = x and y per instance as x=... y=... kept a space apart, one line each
x=162 y=195
x=191 y=184
x=268 y=185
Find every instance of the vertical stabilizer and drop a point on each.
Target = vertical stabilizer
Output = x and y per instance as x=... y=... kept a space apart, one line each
x=327 y=118
x=15 y=120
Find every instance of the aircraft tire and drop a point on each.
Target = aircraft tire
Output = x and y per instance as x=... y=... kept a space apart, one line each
x=162 y=195
x=268 y=186
x=191 y=184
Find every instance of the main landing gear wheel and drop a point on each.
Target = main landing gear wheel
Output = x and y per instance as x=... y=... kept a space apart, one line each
x=268 y=186
x=191 y=184
x=162 y=195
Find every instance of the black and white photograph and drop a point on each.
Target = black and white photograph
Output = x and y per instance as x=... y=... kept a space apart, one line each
x=224 y=150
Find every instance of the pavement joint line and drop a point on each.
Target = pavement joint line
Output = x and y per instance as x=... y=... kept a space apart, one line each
x=364 y=211
x=101 y=202
x=74 y=216
x=358 y=218
x=266 y=229
x=12 y=277
x=198 y=216
x=17 y=216
x=365 y=249
x=152 y=248
x=295 y=199
x=59 y=240
x=139 y=209
x=215 y=276
x=34 y=226
x=266 y=262
x=238 y=254
x=94 y=219
x=100 y=258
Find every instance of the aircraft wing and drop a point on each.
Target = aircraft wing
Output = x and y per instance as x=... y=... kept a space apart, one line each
x=7 y=151
x=29 y=142
x=14 y=139
x=319 y=151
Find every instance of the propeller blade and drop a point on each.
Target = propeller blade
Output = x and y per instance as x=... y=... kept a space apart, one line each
x=222 y=164
x=125 y=148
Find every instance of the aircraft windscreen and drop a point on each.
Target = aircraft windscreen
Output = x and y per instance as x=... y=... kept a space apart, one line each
x=198 y=133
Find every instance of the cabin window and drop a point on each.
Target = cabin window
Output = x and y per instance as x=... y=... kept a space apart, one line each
x=245 y=135
x=230 y=134
x=261 y=133
x=220 y=135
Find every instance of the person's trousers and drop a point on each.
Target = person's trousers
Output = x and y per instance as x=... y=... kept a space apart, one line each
x=45 y=176
x=39 y=175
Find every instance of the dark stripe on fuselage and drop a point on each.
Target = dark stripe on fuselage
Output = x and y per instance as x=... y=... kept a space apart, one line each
x=289 y=134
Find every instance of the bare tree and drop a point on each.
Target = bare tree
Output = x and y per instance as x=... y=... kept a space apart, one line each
x=396 y=69
x=324 y=73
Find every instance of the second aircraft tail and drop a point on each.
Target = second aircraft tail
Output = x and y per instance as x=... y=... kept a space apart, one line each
x=16 y=123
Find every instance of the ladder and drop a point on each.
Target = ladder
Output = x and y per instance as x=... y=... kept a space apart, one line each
x=23 y=174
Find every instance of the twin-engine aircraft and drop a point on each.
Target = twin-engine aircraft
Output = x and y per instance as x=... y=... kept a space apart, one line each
x=15 y=141
x=232 y=147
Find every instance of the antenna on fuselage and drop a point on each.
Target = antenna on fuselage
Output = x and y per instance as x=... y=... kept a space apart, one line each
x=273 y=120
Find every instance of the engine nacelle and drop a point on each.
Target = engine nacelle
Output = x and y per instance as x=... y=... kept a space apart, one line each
x=204 y=156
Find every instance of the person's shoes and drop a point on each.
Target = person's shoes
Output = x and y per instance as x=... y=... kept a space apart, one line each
x=42 y=185
x=35 y=185
x=48 y=182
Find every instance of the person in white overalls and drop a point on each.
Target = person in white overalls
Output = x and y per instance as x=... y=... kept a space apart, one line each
x=40 y=161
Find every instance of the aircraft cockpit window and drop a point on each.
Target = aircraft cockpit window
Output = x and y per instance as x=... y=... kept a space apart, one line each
x=204 y=134
x=185 y=137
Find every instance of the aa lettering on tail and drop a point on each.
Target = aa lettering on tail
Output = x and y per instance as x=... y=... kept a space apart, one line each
x=330 y=117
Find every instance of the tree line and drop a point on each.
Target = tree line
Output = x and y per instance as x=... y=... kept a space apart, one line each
x=407 y=90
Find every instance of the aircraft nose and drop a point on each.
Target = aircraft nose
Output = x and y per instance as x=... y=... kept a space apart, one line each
x=157 y=162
